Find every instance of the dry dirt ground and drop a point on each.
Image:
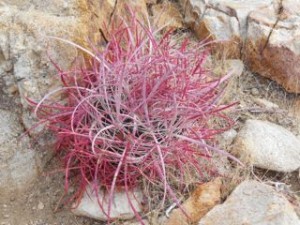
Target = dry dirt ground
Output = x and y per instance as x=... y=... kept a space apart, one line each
x=39 y=205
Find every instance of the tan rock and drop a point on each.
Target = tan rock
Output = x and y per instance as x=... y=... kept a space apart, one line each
x=272 y=48
x=264 y=33
x=204 y=198
x=166 y=15
x=123 y=10
x=26 y=71
x=223 y=22
x=252 y=203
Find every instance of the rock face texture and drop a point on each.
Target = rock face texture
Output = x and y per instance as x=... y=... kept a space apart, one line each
x=267 y=145
x=264 y=33
x=166 y=15
x=18 y=164
x=27 y=29
x=204 y=198
x=252 y=203
x=26 y=71
x=272 y=48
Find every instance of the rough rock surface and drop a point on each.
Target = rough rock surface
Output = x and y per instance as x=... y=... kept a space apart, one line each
x=26 y=46
x=267 y=145
x=252 y=203
x=120 y=208
x=166 y=15
x=272 y=48
x=264 y=33
x=26 y=71
x=204 y=198
x=18 y=164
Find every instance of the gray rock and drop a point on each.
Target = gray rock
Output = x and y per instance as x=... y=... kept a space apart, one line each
x=26 y=71
x=18 y=163
x=252 y=203
x=120 y=208
x=267 y=145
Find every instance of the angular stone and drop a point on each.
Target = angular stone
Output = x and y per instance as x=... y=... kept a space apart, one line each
x=252 y=203
x=223 y=22
x=204 y=198
x=272 y=47
x=267 y=145
x=264 y=33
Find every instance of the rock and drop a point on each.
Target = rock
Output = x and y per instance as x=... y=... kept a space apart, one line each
x=264 y=33
x=151 y=1
x=166 y=15
x=18 y=163
x=26 y=70
x=272 y=46
x=204 y=198
x=120 y=208
x=41 y=206
x=252 y=203
x=221 y=21
x=227 y=137
x=267 y=145
x=123 y=11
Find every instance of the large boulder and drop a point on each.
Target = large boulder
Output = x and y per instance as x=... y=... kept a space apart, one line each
x=26 y=71
x=27 y=29
x=253 y=203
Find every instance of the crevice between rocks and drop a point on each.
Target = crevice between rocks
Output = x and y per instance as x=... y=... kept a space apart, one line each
x=279 y=13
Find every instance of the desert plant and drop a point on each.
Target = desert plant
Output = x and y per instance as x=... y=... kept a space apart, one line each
x=140 y=113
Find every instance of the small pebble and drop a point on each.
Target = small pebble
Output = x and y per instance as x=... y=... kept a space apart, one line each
x=41 y=206
x=254 y=91
x=6 y=216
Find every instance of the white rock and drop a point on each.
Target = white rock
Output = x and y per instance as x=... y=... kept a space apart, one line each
x=120 y=208
x=41 y=206
x=252 y=203
x=227 y=137
x=267 y=145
